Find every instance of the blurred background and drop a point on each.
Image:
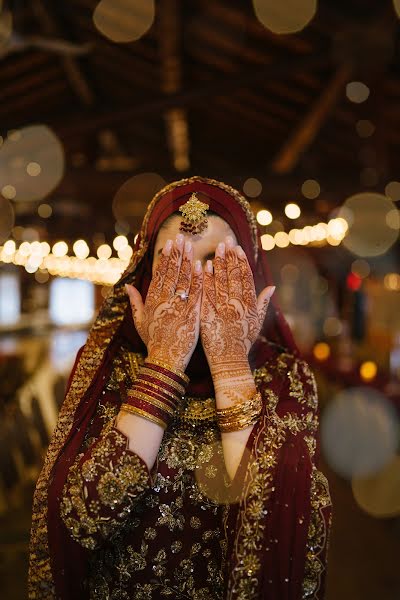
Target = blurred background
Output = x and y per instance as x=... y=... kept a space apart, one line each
x=294 y=103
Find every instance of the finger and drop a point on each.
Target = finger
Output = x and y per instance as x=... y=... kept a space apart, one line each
x=209 y=299
x=174 y=264
x=196 y=286
x=136 y=303
x=220 y=277
x=185 y=272
x=263 y=302
x=157 y=281
x=233 y=273
x=247 y=279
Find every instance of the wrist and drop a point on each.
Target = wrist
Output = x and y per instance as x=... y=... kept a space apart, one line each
x=230 y=369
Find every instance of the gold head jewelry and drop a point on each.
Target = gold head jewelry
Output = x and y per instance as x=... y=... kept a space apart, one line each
x=193 y=215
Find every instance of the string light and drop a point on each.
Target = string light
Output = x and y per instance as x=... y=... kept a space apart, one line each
x=292 y=210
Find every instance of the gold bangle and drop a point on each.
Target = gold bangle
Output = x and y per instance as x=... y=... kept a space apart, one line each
x=238 y=425
x=171 y=395
x=253 y=403
x=151 y=400
x=165 y=365
x=142 y=413
x=157 y=375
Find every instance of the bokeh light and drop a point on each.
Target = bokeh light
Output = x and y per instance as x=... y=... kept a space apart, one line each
x=45 y=211
x=359 y=432
x=321 y=351
x=391 y=281
x=311 y=189
x=392 y=190
x=332 y=326
x=104 y=251
x=31 y=163
x=357 y=91
x=369 y=233
x=361 y=268
x=292 y=210
x=368 y=370
x=365 y=128
x=252 y=187
x=133 y=197
x=267 y=241
x=124 y=20
x=264 y=217
x=285 y=17
x=81 y=249
x=59 y=249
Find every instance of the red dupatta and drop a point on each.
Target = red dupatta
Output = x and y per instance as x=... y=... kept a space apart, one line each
x=282 y=458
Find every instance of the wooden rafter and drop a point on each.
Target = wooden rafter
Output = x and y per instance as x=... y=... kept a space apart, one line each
x=308 y=128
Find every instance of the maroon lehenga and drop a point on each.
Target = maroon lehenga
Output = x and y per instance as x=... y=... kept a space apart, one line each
x=105 y=527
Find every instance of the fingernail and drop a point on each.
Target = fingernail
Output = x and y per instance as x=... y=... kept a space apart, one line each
x=168 y=245
x=209 y=266
x=240 y=251
x=197 y=266
x=229 y=240
x=127 y=288
x=179 y=238
x=271 y=291
x=188 y=246
x=221 y=248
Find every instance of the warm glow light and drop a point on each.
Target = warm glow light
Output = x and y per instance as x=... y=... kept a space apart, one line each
x=125 y=253
x=120 y=242
x=285 y=17
x=252 y=187
x=45 y=211
x=9 y=247
x=360 y=268
x=391 y=281
x=104 y=251
x=321 y=351
x=267 y=241
x=357 y=92
x=292 y=211
x=264 y=217
x=365 y=128
x=392 y=190
x=281 y=239
x=124 y=20
x=59 y=249
x=9 y=192
x=368 y=370
x=33 y=169
x=310 y=189
x=81 y=249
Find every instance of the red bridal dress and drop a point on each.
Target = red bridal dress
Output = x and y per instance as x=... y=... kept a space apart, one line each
x=104 y=527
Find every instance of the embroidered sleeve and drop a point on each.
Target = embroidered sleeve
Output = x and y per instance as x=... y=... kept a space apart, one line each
x=101 y=488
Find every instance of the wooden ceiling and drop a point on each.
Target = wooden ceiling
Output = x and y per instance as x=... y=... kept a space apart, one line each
x=207 y=90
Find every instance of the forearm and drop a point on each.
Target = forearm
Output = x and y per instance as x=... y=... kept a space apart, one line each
x=232 y=387
x=144 y=436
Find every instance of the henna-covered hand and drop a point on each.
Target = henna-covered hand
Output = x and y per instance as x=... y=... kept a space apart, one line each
x=168 y=324
x=231 y=314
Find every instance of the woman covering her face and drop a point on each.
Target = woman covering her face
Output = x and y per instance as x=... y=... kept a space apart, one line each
x=184 y=463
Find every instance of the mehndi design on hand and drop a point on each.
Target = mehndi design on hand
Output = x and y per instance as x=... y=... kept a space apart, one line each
x=167 y=324
x=231 y=313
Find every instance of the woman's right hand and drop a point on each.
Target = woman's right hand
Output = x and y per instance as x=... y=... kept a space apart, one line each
x=168 y=324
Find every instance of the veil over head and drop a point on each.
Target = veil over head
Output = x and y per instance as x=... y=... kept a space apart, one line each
x=231 y=206
x=112 y=327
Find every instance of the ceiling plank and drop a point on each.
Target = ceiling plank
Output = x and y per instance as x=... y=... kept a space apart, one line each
x=308 y=128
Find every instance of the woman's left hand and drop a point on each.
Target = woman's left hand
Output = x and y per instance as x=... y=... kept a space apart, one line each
x=231 y=314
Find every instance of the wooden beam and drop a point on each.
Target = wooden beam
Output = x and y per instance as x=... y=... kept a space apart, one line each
x=70 y=65
x=308 y=129
x=176 y=122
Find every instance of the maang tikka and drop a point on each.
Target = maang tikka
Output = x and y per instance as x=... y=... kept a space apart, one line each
x=193 y=215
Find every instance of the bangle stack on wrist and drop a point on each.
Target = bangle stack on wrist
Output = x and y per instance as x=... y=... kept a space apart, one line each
x=157 y=392
x=240 y=415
